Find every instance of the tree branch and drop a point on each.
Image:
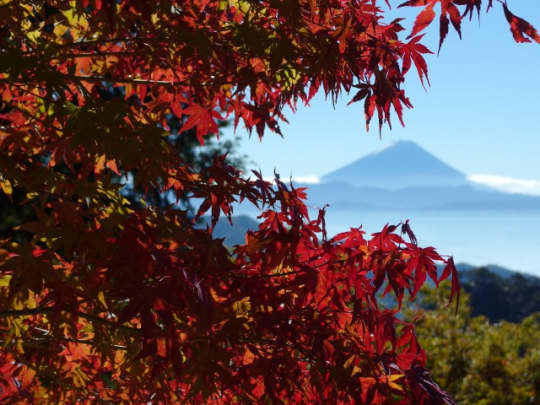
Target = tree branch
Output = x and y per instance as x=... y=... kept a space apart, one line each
x=120 y=80
x=47 y=310
x=97 y=42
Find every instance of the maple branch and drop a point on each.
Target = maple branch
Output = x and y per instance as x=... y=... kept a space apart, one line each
x=107 y=322
x=100 y=79
x=25 y=312
x=46 y=310
x=21 y=88
x=289 y=273
x=91 y=343
x=96 y=54
x=97 y=42
x=307 y=357
x=33 y=342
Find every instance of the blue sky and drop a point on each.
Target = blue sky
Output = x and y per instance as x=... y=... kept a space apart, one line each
x=480 y=115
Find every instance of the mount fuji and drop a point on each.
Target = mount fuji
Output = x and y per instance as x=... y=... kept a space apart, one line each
x=403 y=164
x=406 y=176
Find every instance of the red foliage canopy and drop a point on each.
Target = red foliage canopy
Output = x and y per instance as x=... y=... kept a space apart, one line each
x=105 y=301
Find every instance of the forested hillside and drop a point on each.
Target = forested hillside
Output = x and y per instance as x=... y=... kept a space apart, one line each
x=476 y=361
x=501 y=298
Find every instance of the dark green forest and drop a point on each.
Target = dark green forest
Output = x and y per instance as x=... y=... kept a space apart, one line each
x=511 y=298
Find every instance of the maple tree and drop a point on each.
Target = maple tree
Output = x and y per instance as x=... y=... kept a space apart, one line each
x=105 y=301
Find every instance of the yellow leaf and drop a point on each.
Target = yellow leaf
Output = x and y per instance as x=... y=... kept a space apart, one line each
x=4 y=281
x=78 y=377
x=101 y=299
x=386 y=379
x=6 y=187
x=60 y=30
x=128 y=89
x=70 y=16
x=242 y=307
x=349 y=361
x=244 y=6
x=392 y=384
x=33 y=35
x=100 y=164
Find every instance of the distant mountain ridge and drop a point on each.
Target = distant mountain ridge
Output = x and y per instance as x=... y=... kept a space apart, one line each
x=403 y=164
x=234 y=233
x=344 y=196
x=466 y=269
x=406 y=176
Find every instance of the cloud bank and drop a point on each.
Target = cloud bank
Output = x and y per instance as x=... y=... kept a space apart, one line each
x=507 y=184
x=502 y=183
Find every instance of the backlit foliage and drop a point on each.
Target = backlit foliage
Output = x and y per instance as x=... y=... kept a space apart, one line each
x=105 y=301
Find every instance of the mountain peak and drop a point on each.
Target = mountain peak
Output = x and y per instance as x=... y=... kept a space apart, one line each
x=402 y=164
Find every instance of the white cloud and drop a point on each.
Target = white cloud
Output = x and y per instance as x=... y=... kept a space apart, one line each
x=507 y=184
